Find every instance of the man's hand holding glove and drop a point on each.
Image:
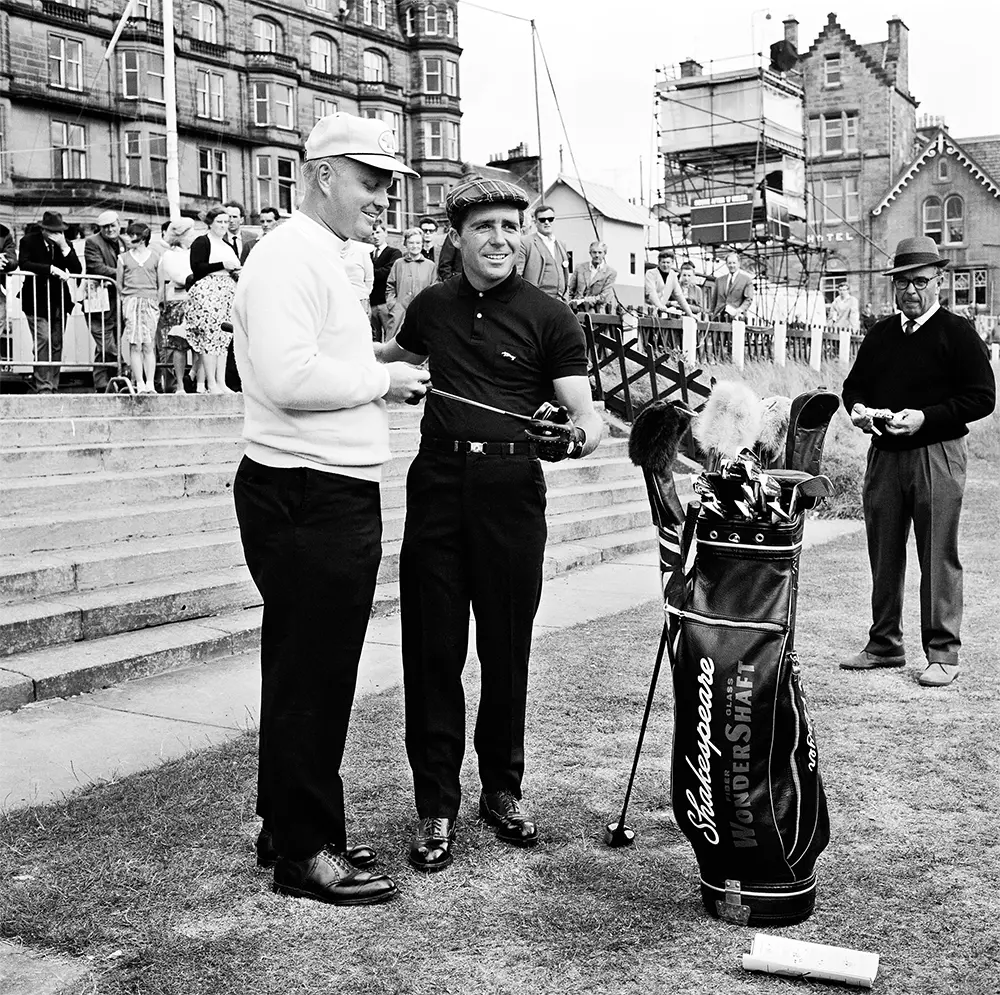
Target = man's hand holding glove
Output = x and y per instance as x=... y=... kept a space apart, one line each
x=554 y=435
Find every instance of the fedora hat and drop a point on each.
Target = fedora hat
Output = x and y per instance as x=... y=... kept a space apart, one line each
x=915 y=252
x=52 y=221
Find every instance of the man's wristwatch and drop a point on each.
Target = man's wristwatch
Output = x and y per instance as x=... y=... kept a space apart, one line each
x=577 y=442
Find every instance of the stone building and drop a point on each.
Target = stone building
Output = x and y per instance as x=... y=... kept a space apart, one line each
x=79 y=134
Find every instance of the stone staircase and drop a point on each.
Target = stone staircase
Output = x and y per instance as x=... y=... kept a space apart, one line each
x=119 y=551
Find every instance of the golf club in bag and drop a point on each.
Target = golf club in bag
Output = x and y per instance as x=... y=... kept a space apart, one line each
x=745 y=783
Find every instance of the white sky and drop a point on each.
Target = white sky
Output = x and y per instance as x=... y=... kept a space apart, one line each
x=603 y=57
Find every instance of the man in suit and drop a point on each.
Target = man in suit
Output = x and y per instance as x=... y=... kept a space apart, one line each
x=242 y=242
x=919 y=378
x=543 y=260
x=100 y=257
x=733 y=292
x=46 y=297
x=661 y=285
x=382 y=259
x=593 y=284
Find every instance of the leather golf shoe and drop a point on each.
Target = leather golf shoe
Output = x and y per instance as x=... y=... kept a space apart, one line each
x=870 y=661
x=328 y=876
x=362 y=856
x=938 y=675
x=430 y=849
x=503 y=811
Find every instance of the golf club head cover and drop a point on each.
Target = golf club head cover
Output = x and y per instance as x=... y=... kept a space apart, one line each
x=730 y=420
x=746 y=786
x=773 y=434
x=652 y=445
x=808 y=420
x=554 y=435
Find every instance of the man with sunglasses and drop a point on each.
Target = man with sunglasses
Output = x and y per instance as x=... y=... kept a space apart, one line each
x=543 y=260
x=920 y=376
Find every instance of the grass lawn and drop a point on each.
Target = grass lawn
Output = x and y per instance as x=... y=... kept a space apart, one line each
x=152 y=879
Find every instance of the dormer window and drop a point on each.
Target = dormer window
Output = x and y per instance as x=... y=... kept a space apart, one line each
x=832 y=70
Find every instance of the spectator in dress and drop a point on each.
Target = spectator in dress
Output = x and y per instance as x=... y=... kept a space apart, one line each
x=542 y=259
x=174 y=271
x=383 y=257
x=269 y=219
x=138 y=284
x=661 y=285
x=214 y=271
x=100 y=257
x=592 y=284
x=408 y=276
x=47 y=295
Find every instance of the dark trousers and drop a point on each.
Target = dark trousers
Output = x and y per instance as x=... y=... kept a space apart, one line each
x=923 y=486
x=104 y=332
x=475 y=535
x=313 y=542
x=48 y=333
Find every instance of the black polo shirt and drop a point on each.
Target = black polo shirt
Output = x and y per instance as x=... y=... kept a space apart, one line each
x=502 y=346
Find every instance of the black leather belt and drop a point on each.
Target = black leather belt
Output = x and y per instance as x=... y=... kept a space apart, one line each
x=483 y=448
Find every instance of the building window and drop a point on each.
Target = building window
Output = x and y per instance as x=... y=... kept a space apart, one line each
x=380 y=14
x=841 y=200
x=430 y=20
x=212 y=174
x=836 y=277
x=155 y=76
x=322 y=55
x=449 y=22
x=451 y=140
x=391 y=119
x=210 y=88
x=322 y=107
x=932 y=218
x=69 y=150
x=158 y=161
x=366 y=11
x=432 y=75
x=133 y=158
x=411 y=28
x=266 y=35
x=631 y=263
x=318 y=5
x=968 y=287
x=394 y=212
x=131 y=65
x=204 y=19
x=275 y=186
x=65 y=63
x=375 y=66
x=943 y=173
x=273 y=103
x=451 y=78
x=433 y=140
x=130 y=74
x=954 y=220
x=141 y=9
x=833 y=134
x=832 y=71
x=434 y=194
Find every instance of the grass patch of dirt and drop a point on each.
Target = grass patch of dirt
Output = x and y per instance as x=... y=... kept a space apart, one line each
x=152 y=878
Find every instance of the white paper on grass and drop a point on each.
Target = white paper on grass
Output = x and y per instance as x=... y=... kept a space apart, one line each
x=798 y=959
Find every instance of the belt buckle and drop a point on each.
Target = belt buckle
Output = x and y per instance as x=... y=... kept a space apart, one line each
x=476 y=447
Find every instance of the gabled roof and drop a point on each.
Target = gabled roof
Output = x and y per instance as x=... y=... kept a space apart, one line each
x=985 y=150
x=941 y=143
x=604 y=200
x=865 y=53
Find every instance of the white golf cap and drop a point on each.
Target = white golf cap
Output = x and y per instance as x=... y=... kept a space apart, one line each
x=367 y=140
x=106 y=218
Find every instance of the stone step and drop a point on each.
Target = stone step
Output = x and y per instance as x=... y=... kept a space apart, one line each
x=24 y=433
x=75 y=668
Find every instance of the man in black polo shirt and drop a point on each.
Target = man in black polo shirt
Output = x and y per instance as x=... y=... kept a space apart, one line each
x=475 y=511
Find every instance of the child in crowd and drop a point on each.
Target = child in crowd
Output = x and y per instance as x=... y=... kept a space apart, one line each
x=138 y=287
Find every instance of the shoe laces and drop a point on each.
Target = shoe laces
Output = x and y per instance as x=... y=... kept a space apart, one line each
x=506 y=804
x=336 y=860
x=437 y=828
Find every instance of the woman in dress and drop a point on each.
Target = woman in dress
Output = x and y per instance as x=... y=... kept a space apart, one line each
x=215 y=268
x=138 y=289
x=174 y=273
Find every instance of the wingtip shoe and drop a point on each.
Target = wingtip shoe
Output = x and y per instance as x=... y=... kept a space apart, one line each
x=430 y=849
x=872 y=661
x=328 y=876
x=361 y=856
x=505 y=813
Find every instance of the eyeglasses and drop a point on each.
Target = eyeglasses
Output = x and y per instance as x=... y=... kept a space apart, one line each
x=919 y=282
x=545 y=221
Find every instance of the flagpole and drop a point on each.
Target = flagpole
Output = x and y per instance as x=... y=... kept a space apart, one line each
x=170 y=97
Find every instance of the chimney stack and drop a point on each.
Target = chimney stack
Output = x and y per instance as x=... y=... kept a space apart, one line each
x=792 y=32
x=689 y=67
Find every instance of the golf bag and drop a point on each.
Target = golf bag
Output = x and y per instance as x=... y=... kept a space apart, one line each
x=746 y=787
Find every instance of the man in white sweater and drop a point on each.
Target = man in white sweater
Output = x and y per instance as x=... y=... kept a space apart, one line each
x=308 y=503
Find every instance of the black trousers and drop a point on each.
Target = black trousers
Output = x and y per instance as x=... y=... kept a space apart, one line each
x=923 y=486
x=475 y=535
x=313 y=543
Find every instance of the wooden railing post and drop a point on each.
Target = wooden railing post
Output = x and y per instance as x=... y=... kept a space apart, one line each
x=816 y=347
x=995 y=352
x=844 y=347
x=780 y=343
x=689 y=339
x=739 y=343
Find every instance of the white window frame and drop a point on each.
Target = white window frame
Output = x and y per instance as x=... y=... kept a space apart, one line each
x=325 y=62
x=375 y=68
x=366 y=12
x=266 y=35
x=69 y=144
x=430 y=19
x=323 y=107
x=277 y=100
x=410 y=23
x=435 y=74
x=158 y=155
x=451 y=78
x=824 y=128
x=156 y=76
x=263 y=180
x=68 y=62
x=433 y=203
x=833 y=70
x=932 y=218
x=950 y=200
x=213 y=173
x=132 y=157
x=286 y=177
x=205 y=18
x=210 y=91
x=380 y=14
x=449 y=22
x=394 y=212
x=841 y=200
x=284 y=106
x=130 y=73
x=433 y=139
x=451 y=148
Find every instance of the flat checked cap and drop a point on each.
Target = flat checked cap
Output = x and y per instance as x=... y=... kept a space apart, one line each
x=471 y=193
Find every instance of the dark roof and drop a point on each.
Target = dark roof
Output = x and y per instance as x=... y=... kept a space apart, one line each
x=985 y=150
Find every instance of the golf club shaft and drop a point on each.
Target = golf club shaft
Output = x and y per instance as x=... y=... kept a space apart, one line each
x=496 y=411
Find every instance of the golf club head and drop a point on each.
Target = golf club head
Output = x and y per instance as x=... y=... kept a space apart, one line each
x=618 y=835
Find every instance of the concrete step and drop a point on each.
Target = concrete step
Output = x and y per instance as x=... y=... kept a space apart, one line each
x=58 y=671
x=23 y=433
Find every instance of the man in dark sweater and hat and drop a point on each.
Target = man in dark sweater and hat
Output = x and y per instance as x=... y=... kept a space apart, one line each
x=919 y=378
